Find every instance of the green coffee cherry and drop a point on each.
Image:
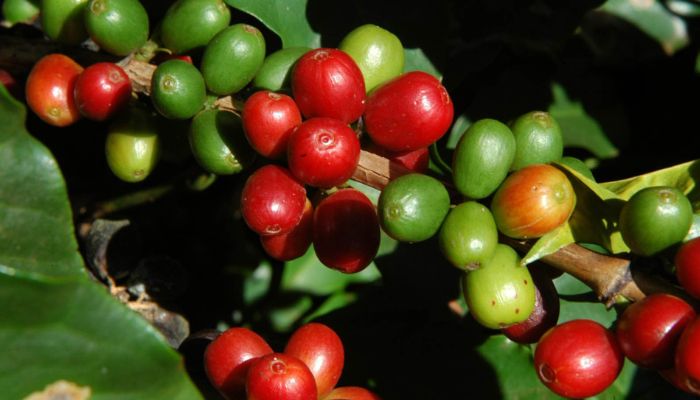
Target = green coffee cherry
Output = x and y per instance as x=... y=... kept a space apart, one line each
x=500 y=293
x=190 y=24
x=218 y=142
x=177 y=89
x=482 y=158
x=275 y=72
x=62 y=20
x=232 y=58
x=14 y=11
x=654 y=219
x=538 y=139
x=132 y=145
x=117 y=26
x=378 y=53
x=412 y=207
x=468 y=236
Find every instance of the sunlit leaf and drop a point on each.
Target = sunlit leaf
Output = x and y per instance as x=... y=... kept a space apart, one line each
x=549 y=243
x=681 y=176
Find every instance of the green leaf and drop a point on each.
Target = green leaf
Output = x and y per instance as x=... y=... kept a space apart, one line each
x=69 y=328
x=651 y=17
x=334 y=302
x=36 y=222
x=578 y=128
x=681 y=176
x=684 y=8
x=549 y=244
x=416 y=60
x=286 y=18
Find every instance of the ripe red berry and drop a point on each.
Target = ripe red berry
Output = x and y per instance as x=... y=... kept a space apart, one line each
x=49 y=89
x=228 y=357
x=578 y=359
x=687 y=361
x=293 y=244
x=648 y=330
x=346 y=231
x=323 y=152
x=687 y=262
x=268 y=120
x=321 y=349
x=272 y=201
x=102 y=90
x=411 y=111
x=328 y=83
x=279 y=376
x=351 y=393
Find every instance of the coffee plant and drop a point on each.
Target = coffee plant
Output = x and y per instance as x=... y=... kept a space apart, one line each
x=306 y=199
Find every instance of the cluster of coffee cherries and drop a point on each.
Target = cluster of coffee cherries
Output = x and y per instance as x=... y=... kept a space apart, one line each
x=240 y=364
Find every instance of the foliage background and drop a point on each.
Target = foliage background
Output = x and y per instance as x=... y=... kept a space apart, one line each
x=620 y=76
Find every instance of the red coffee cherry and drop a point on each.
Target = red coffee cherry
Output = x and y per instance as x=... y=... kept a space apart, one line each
x=102 y=90
x=49 y=89
x=578 y=359
x=328 y=83
x=648 y=330
x=228 y=357
x=411 y=111
x=687 y=262
x=321 y=349
x=687 y=361
x=293 y=244
x=543 y=317
x=346 y=231
x=351 y=393
x=268 y=120
x=272 y=201
x=323 y=152
x=280 y=376
x=415 y=160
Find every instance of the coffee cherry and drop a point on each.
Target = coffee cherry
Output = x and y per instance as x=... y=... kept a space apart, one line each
x=177 y=90
x=101 y=91
x=543 y=317
x=482 y=158
x=687 y=262
x=500 y=293
x=414 y=160
x=408 y=112
x=49 y=89
x=327 y=83
x=268 y=120
x=276 y=70
x=346 y=231
x=218 y=143
x=321 y=349
x=323 y=152
x=132 y=146
x=191 y=24
x=648 y=329
x=468 y=236
x=272 y=201
x=654 y=219
x=378 y=53
x=687 y=362
x=228 y=357
x=293 y=244
x=538 y=139
x=15 y=11
x=351 y=393
x=412 y=207
x=533 y=201
x=279 y=376
x=63 y=20
x=117 y=26
x=577 y=359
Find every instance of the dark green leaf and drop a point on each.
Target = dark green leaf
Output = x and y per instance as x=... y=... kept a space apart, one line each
x=36 y=223
x=59 y=328
x=286 y=18
x=334 y=302
x=416 y=60
x=578 y=127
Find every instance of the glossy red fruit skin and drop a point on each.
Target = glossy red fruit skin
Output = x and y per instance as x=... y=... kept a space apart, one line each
x=101 y=91
x=351 y=393
x=321 y=349
x=272 y=201
x=648 y=330
x=268 y=120
x=294 y=243
x=228 y=357
x=687 y=262
x=346 y=231
x=672 y=377
x=578 y=358
x=323 y=152
x=280 y=376
x=687 y=360
x=408 y=112
x=327 y=82
x=49 y=89
x=543 y=317
x=415 y=160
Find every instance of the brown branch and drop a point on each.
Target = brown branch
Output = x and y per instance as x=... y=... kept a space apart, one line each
x=608 y=276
